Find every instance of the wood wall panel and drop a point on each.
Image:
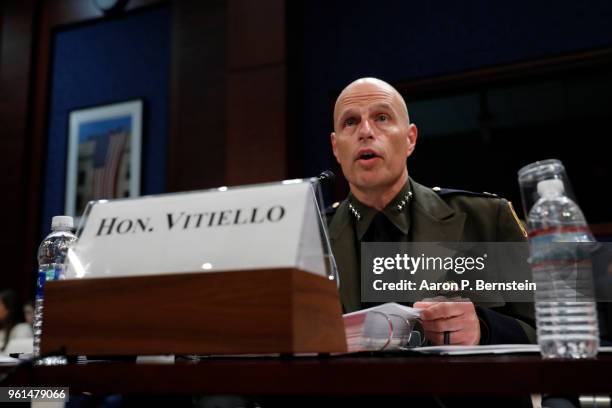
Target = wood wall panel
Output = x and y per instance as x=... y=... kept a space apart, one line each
x=197 y=145
x=16 y=25
x=256 y=31
x=256 y=136
x=256 y=131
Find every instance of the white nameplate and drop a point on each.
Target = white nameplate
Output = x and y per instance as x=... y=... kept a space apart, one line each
x=257 y=227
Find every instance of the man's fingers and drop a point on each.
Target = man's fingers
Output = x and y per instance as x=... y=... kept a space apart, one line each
x=457 y=318
x=442 y=325
x=423 y=305
x=443 y=310
x=457 y=338
x=437 y=338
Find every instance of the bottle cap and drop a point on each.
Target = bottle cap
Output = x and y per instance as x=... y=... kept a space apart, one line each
x=62 y=222
x=550 y=187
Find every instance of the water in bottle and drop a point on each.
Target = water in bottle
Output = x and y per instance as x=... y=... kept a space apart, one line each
x=566 y=314
x=51 y=266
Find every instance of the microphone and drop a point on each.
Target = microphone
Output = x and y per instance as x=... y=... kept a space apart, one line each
x=326 y=176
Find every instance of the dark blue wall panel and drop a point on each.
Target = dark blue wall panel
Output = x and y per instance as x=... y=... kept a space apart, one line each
x=105 y=62
x=402 y=40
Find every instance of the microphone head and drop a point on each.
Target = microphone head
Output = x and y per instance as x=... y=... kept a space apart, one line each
x=326 y=175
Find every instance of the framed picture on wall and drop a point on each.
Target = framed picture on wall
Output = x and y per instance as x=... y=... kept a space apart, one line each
x=104 y=152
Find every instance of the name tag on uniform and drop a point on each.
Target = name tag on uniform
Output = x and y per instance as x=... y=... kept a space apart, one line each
x=226 y=229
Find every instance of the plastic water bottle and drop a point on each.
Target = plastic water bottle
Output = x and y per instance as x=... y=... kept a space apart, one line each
x=51 y=265
x=566 y=314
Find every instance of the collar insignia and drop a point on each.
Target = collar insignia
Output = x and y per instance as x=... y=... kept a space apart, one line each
x=403 y=202
x=399 y=207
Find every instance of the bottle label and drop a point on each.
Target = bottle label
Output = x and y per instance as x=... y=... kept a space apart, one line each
x=46 y=273
x=561 y=264
x=565 y=244
x=560 y=234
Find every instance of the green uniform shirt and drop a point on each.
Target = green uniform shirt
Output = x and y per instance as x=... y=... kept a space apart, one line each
x=420 y=214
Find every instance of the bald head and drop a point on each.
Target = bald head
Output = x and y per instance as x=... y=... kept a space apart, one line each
x=372 y=140
x=366 y=87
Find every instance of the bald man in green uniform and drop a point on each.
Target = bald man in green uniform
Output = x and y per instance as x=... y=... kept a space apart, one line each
x=372 y=140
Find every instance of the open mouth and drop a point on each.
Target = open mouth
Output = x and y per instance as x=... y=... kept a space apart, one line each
x=367 y=156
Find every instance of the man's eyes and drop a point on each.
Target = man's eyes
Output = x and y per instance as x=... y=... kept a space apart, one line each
x=381 y=117
x=350 y=122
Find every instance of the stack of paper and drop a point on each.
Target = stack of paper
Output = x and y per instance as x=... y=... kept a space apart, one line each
x=472 y=350
x=489 y=349
x=8 y=360
x=384 y=327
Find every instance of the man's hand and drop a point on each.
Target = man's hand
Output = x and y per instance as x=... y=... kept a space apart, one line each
x=458 y=318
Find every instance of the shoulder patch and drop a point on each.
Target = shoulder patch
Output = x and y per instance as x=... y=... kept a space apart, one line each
x=450 y=191
x=516 y=218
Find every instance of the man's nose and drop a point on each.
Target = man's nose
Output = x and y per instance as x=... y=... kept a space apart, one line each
x=365 y=130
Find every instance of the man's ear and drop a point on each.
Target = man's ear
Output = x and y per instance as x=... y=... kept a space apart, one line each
x=413 y=133
x=333 y=143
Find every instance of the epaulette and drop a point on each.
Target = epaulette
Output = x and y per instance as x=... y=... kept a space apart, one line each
x=331 y=210
x=450 y=191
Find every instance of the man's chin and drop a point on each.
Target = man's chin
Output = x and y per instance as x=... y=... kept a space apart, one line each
x=374 y=181
x=371 y=182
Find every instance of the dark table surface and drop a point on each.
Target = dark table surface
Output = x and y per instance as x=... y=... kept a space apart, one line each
x=365 y=374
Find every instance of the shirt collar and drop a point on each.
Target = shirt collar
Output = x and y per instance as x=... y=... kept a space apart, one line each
x=395 y=211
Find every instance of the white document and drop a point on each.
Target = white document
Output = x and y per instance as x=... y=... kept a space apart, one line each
x=488 y=349
x=8 y=360
x=473 y=350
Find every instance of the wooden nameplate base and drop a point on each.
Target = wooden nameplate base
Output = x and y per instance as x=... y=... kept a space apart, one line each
x=262 y=311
